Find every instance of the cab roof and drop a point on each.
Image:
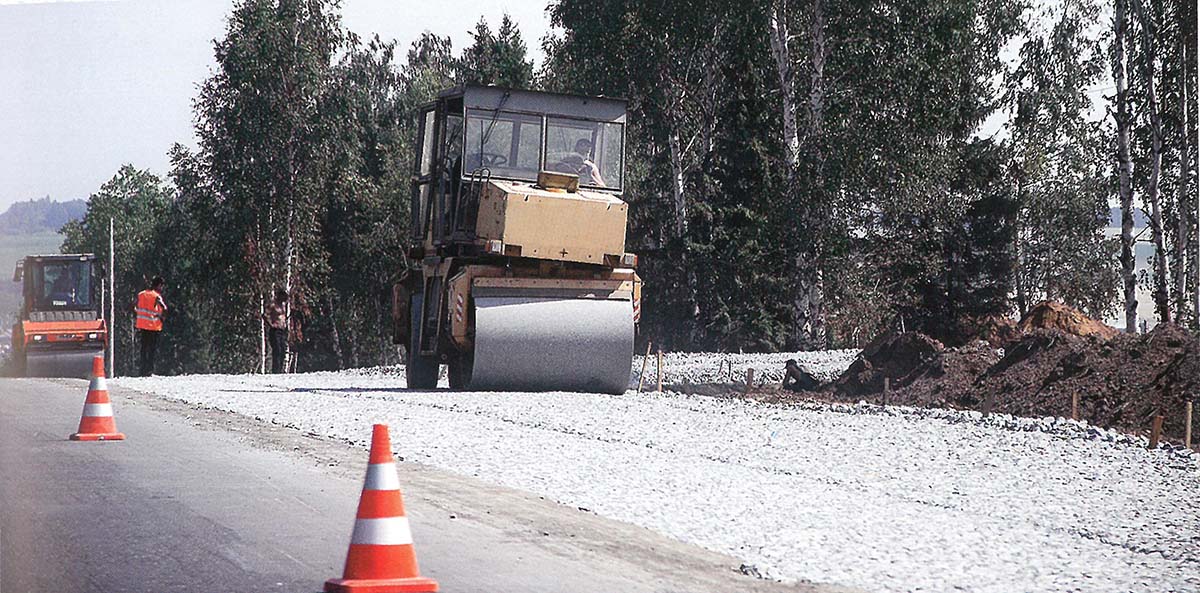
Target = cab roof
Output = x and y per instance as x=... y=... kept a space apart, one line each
x=605 y=109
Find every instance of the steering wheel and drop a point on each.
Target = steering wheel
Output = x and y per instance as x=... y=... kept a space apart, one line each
x=492 y=159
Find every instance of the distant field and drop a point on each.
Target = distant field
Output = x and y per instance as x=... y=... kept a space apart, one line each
x=13 y=248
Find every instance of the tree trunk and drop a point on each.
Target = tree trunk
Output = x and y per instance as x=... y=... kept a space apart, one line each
x=334 y=336
x=1190 y=154
x=677 y=193
x=786 y=75
x=812 y=281
x=1184 y=215
x=816 y=97
x=1019 y=253
x=1162 y=301
x=1124 y=163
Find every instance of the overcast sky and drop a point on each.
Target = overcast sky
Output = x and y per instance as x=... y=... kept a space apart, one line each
x=86 y=86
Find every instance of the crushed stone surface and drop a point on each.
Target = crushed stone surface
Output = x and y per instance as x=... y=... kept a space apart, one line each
x=873 y=497
x=699 y=368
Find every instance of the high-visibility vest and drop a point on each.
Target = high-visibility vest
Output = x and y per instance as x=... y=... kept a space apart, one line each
x=149 y=313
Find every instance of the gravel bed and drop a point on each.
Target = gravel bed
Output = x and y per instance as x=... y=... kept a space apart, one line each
x=880 y=498
x=684 y=368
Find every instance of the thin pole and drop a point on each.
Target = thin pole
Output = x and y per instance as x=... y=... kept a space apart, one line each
x=112 y=300
x=262 y=337
x=1187 y=426
x=1155 y=431
x=660 y=370
x=642 y=375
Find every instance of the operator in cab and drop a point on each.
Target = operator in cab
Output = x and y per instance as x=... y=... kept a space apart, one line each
x=580 y=163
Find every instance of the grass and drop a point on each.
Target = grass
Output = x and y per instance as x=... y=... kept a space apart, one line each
x=12 y=249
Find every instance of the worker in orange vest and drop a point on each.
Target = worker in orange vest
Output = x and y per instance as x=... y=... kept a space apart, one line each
x=149 y=310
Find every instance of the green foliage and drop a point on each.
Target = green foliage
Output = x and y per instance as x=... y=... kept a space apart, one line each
x=498 y=58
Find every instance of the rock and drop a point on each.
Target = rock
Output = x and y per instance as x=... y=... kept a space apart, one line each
x=750 y=570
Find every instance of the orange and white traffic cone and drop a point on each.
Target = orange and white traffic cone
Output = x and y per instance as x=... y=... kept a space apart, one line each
x=381 y=557
x=97 y=423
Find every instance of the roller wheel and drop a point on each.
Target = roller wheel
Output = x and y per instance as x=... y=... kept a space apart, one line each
x=460 y=371
x=421 y=372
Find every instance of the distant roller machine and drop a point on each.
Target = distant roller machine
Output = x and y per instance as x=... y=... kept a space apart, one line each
x=520 y=278
x=61 y=328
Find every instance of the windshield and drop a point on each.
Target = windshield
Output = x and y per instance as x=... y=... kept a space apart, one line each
x=62 y=284
x=509 y=145
x=504 y=143
x=592 y=150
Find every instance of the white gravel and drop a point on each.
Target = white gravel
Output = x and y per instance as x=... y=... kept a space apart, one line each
x=685 y=368
x=885 y=499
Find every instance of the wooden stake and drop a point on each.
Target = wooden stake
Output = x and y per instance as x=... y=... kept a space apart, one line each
x=1155 y=431
x=887 y=386
x=660 y=369
x=749 y=380
x=1075 y=405
x=642 y=375
x=988 y=404
x=1187 y=426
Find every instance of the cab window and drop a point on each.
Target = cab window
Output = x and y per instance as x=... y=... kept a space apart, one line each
x=505 y=144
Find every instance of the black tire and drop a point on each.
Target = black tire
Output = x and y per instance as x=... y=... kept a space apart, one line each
x=460 y=371
x=420 y=372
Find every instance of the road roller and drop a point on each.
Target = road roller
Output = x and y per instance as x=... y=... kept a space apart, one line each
x=518 y=278
x=61 y=327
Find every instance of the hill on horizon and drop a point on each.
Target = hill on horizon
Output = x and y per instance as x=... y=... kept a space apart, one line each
x=40 y=216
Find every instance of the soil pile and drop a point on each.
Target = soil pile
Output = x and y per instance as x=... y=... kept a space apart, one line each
x=901 y=358
x=1057 y=316
x=1122 y=381
x=948 y=380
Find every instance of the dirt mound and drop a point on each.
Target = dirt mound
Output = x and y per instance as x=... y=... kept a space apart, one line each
x=947 y=380
x=901 y=358
x=1049 y=315
x=1122 y=380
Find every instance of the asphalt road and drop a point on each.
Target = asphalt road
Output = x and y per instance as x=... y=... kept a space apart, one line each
x=196 y=500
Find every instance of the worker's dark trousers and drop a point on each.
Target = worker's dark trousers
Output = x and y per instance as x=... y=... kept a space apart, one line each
x=149 y=341
x=278 y=348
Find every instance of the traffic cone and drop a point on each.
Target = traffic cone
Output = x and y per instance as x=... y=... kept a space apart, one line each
x=97 y=423
x=381 y=557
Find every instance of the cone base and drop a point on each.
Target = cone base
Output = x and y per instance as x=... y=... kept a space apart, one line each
x=103 y=436
x=409 y=585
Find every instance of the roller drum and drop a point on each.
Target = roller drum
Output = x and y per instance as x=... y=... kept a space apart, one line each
x=552 y=344
x=69 y=363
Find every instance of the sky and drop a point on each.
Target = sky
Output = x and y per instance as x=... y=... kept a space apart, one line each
x=89 y=85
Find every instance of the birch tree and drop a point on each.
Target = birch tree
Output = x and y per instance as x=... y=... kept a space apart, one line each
x=1123 y=120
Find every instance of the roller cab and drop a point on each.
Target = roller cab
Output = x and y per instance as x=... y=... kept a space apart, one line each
x=60 y=329
x=519 y=278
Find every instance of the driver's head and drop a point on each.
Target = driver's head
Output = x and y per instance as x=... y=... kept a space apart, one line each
x=583 y=147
